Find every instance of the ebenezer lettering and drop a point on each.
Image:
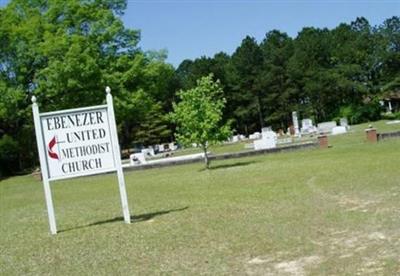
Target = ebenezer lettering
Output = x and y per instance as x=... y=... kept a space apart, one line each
x=75 y=120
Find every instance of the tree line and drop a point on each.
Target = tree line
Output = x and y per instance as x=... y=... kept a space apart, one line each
x=66 y=52
x=323 y=74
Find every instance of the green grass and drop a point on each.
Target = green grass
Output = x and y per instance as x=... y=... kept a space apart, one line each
x=318 y=212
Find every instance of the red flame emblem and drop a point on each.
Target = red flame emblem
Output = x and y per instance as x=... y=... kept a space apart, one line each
x=50 y=151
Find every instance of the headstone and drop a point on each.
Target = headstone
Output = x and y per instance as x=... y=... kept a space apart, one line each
x=268 y=141
x=255 y=135
x=266 y=132
x=172 y=146
x=148 y=152
x=235 y=138
x=339 y=130
x=295 y=123
x=137 y=159
x=307 y=126
x=266 y=129
x=306 y=123
x=344 y=122
x=326 y=127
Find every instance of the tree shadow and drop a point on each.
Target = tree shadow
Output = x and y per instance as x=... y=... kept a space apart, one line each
x=134 y=219
x=231 y=165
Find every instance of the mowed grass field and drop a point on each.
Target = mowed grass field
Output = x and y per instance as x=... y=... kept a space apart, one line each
x=310 y=212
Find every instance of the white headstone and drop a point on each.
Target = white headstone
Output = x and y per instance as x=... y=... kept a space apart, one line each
x=137 y=159
x=326 y=127
x=344 y=122
x=148 y=152
x=268 y=141
x=295 y=123
x=339 y=130
x=306 y=123
x=172 y=146
x=255 y=135
x=235 y=138
x=266 y=129
x=307 y=126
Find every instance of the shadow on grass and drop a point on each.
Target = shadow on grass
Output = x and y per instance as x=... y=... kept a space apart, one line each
x=231 y=165
x=134 y=219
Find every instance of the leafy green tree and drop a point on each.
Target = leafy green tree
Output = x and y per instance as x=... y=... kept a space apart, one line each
x=246 y=89
x=389 y=34
x=198 y=115
x=65 y=53
x=190 y=71
x=278 y=97
x=142 y=87
x=155 y=129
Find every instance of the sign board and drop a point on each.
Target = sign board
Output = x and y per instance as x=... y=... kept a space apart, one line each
x=78 y=142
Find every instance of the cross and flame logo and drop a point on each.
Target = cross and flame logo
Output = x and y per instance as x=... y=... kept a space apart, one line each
x=50 y=150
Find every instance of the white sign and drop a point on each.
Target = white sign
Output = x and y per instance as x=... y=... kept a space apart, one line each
x=78 y=142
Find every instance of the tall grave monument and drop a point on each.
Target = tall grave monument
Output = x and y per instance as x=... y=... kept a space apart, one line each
x=295 y=123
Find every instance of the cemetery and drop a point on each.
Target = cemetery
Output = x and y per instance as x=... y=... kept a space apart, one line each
x=256 y=143
x=264 y=213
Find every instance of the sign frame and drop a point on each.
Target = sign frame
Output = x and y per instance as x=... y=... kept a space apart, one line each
x=117 y=167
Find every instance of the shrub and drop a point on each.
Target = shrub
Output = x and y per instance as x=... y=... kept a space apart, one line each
x=357 y=114
x=8 y=156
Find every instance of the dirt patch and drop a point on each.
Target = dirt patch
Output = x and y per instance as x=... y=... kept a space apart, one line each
x=272 y=266
x=349 y=203
x=377 y=236
x=258 y=260
x=370 y=267
x=356 y=204
x=297 y=267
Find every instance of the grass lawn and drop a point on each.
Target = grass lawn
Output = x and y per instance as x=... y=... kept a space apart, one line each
x=312 y=212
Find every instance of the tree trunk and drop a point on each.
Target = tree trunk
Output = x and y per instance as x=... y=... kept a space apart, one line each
x=206 y=160
x=260 y=115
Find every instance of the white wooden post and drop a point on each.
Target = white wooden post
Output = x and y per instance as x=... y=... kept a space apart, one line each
x=43 y=166
x=117 y=156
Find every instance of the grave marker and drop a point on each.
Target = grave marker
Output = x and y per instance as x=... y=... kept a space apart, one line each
x=295 y=123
